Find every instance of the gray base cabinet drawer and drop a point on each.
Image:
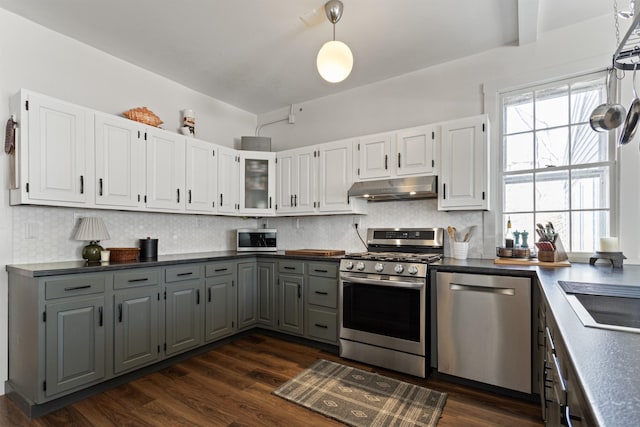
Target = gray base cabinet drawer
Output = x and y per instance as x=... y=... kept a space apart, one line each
x=218 y=269
x=187 y=272
x=323 y=270
x=322 y=325
x=135 y=278
x=291 y=267
x=75 y=285
x=323 y=292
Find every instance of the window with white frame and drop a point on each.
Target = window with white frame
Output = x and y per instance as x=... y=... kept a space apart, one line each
x=555 y=168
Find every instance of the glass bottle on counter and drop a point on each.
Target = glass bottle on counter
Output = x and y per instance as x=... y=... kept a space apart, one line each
x=508 y=235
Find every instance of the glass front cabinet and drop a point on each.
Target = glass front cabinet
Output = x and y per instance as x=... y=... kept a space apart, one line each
x=258 y=183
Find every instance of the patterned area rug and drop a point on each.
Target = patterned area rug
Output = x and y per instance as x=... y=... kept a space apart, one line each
x=359 y=398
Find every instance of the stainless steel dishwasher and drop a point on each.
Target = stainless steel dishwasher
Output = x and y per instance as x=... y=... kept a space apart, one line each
x=484 y=328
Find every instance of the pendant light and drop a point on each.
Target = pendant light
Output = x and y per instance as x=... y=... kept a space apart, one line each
x=335 y=59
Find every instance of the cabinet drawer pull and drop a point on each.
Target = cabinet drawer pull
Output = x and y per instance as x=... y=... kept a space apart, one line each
x=143 y=279
x=120 y=313
x=321 y=271
x=318 y=325
x=286 y=267
x=185 y=274
x=321 y=293
x=77 y=288
x=217 y=270
x=100 y=315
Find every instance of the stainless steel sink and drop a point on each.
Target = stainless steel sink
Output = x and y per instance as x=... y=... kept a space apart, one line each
x=615 y=307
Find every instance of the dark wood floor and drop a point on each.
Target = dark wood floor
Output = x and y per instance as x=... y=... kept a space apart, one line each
x=231 y=386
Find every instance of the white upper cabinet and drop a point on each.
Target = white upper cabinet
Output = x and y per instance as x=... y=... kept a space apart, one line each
x=296 y=180
x=335 y=177
x=228 y=181
x=407 y=152
x=202 y=175
x=374 y=152
x=54 y=154
x=258 y=182
x=165 y=170
x=120 y=162
x=417 y=150
x=464 y=173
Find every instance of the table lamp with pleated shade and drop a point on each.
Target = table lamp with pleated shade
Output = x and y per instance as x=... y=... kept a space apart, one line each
x=92 y=229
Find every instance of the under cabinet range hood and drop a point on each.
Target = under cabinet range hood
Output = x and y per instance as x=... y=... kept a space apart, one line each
x=420 y=187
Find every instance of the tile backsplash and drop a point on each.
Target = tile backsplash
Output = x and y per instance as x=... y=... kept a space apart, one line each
x=43 y=234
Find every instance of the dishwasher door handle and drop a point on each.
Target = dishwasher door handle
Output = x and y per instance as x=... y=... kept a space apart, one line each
x=486 y=289
x=378 y=282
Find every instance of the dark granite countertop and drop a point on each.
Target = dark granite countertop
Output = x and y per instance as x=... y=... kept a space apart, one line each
x=78 y=267
x=607 y=363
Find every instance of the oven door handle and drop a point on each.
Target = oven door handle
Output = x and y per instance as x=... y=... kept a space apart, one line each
x=369 y=281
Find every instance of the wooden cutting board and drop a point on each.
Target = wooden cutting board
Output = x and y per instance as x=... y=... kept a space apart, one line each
x=314 y=252
x=533 y=262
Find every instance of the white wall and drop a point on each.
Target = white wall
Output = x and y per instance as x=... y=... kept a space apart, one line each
x=467 y=87
x=44 y=61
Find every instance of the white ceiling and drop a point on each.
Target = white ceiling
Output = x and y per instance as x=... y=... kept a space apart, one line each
x=260 y=56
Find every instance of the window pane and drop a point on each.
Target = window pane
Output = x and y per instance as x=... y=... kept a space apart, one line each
x=518 y=113
x=552 y=191
x=585 y=97
x=518 y=152
x=560 y=221
x=590 y=188
x=518 y=193
x=588 y=227
x=552 y=148
x=588 y=146
x=552 y=107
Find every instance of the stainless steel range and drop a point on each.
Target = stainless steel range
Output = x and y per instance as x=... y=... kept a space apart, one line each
x=384 y=298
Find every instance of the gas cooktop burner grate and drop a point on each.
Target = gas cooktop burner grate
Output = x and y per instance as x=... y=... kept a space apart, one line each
x=396 y=257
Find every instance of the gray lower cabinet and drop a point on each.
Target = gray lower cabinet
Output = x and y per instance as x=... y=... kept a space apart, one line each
x=321 y=306
x=184 y=313
x=266 y=271
x=221 y=297
x=290 y=297
x=75 y=343
x=247 y=294
x=136 y=319
x=69 y=332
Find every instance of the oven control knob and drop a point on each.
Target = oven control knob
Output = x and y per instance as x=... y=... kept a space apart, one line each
x=413 y=269
x=399 y=268
x=379 y=267
x=349 y=265
x=360 y=266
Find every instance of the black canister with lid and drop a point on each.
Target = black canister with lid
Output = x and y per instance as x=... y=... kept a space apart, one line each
x=148 y=248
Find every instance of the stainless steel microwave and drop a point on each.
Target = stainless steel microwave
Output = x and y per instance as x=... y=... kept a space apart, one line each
x=256 y=240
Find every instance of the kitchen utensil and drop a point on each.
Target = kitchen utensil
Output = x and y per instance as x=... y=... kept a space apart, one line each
x=607 y=116
x=631 y=121
x=451 y=232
